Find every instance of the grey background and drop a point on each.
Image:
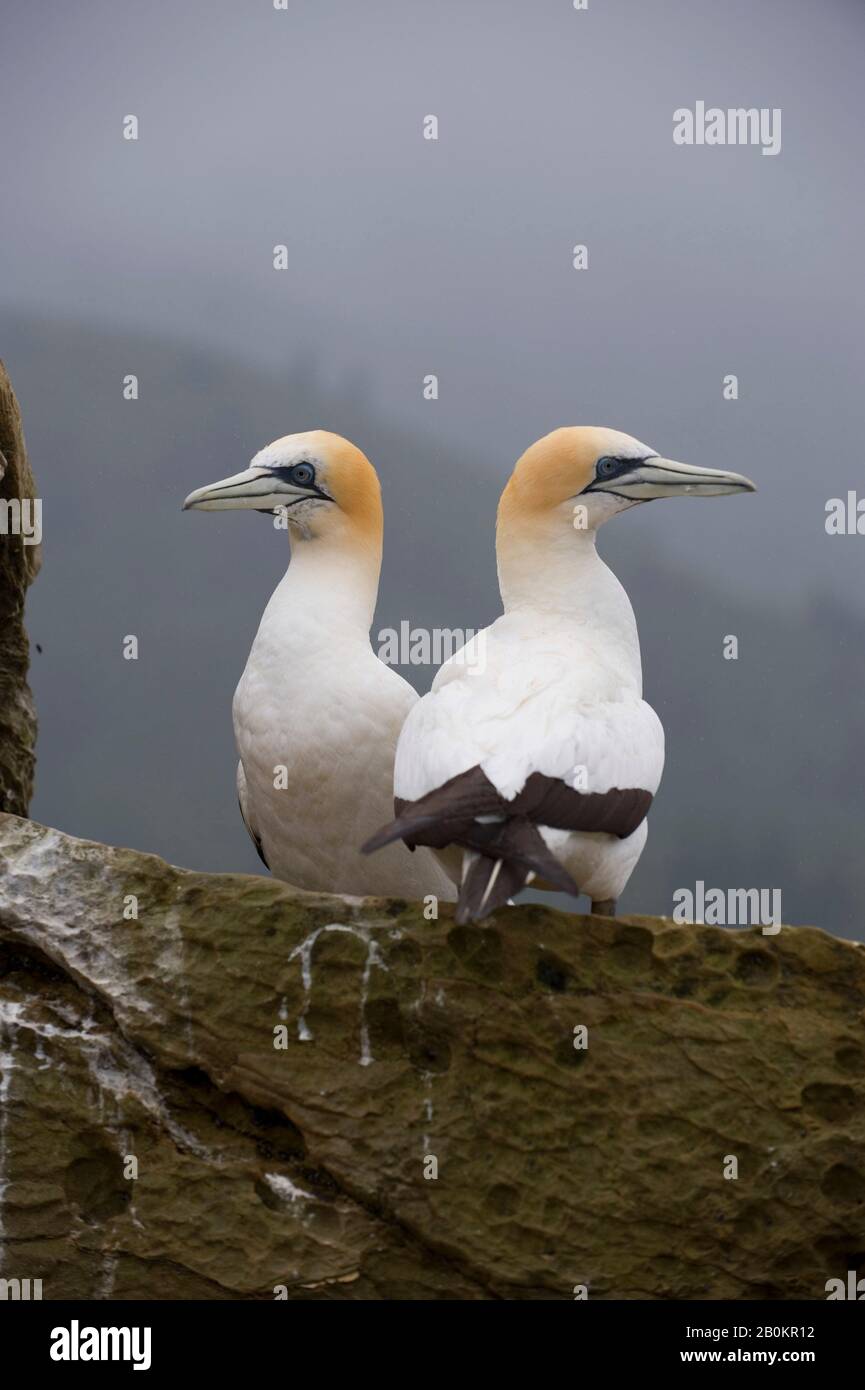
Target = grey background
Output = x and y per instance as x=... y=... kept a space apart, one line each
x=409 y=257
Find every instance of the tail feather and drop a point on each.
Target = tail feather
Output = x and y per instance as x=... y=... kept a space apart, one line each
x=520 y=842
x=506 y=857
x=487 y=885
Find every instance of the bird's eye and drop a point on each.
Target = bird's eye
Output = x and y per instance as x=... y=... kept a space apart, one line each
x=607 y=467
x=303 y=474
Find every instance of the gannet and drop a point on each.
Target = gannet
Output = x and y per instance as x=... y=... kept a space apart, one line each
x=534 y=754
x=316 y=713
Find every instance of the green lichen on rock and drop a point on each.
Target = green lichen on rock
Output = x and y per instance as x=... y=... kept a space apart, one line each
x=307 y=1165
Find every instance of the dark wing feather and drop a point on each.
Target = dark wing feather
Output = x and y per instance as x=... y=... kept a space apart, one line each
x=467 y=810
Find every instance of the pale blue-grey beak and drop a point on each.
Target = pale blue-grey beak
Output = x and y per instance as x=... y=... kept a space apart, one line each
x=256 y=489
x=660 y=477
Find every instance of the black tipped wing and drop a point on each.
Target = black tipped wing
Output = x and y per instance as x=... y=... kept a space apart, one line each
x=467 y=810
x=450 y=813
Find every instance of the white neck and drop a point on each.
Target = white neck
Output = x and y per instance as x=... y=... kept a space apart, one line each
x=329 y=592
x=549 y=568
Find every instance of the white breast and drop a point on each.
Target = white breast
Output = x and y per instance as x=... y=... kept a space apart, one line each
x=317 y=717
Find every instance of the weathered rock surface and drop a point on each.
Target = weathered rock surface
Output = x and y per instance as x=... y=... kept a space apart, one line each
x=304 y=1165
x=19 y=564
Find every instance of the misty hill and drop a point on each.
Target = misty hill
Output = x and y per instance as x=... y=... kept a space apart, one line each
x=763 y=786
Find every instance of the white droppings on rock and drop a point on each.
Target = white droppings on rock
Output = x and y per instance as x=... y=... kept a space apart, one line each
x=116 y=1070
x=427 y=1110
x=418 y=1003
x=172 y=960
x=373 y=957
x=8 y=1017
x=109 y=1272
x=135 y=1076
x=62 y=927
x=303 y=952
x=286 y=1189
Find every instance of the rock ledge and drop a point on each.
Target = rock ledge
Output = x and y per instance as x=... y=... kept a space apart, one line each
x=281 y=1069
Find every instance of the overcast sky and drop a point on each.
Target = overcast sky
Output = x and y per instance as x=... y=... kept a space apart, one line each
x=407 y=256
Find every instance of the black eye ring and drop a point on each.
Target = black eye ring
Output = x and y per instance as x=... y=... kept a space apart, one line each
x=303 y=474
x=608 y=467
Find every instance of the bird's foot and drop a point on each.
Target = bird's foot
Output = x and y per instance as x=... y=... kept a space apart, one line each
x=605 y=907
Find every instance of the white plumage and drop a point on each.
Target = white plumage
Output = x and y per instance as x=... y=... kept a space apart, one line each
x=315 y=700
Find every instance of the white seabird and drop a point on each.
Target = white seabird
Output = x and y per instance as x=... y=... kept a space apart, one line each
x=534 y=756
x=316 y=713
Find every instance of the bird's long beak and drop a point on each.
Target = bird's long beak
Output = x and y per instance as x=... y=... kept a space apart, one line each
x=659 y=477
x=256 y=489
x=247 y=489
